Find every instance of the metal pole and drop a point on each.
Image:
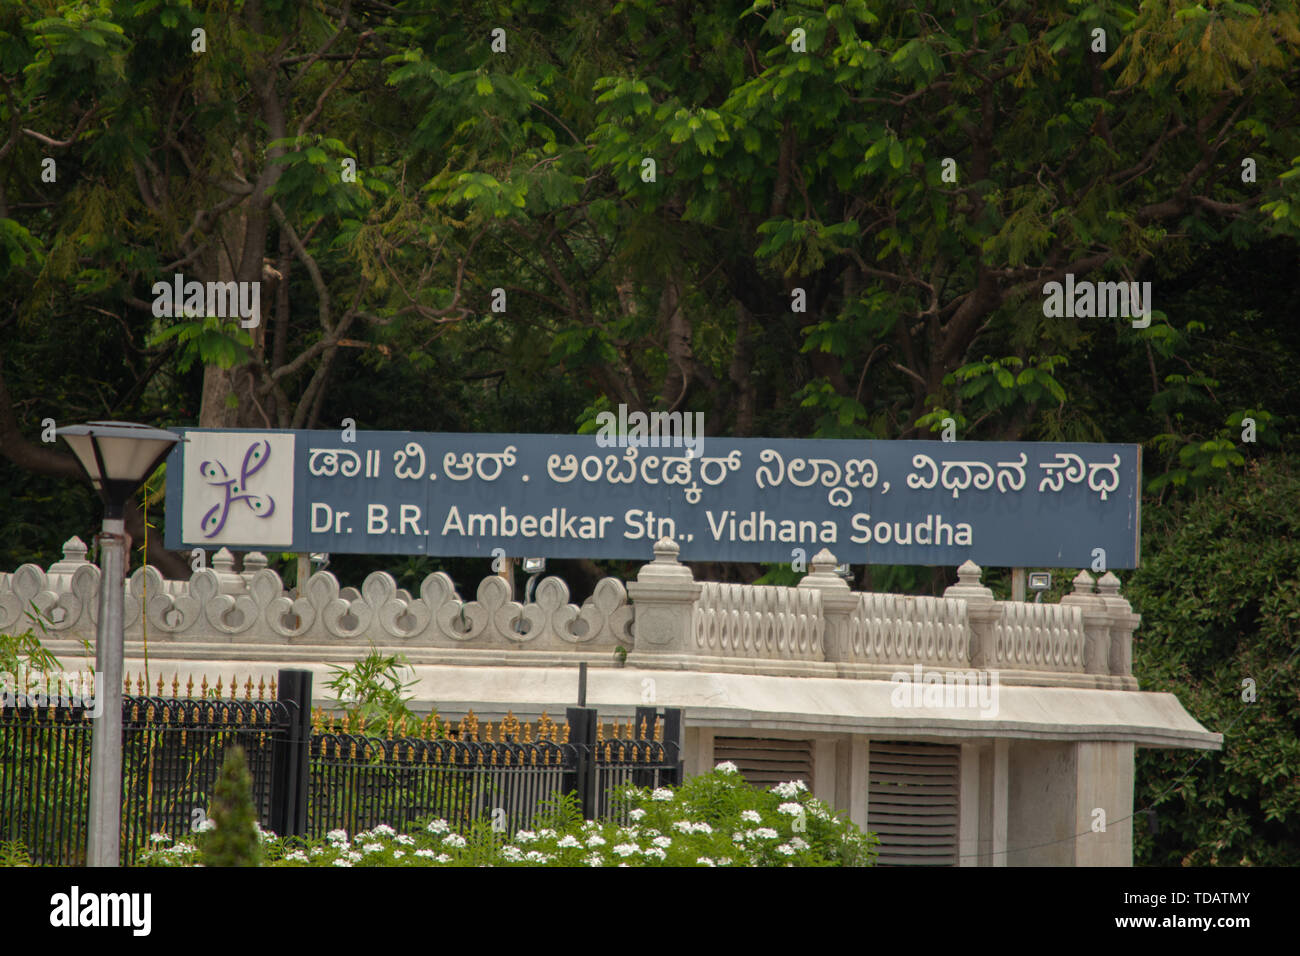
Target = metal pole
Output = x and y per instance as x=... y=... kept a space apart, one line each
x=105 y=824
x=1018 y=579
x=508 y=573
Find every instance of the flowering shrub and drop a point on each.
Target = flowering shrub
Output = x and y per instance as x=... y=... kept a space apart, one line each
x=715 y=819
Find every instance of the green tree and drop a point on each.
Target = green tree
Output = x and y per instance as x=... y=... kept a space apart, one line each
x=235 y=841
x=1219 y=596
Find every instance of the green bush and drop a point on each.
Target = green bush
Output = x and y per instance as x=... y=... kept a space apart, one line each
x=1219 y=594
x=715 y=819
x=234 y=839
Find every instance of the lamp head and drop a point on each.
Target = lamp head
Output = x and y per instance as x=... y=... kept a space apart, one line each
x=118 y=457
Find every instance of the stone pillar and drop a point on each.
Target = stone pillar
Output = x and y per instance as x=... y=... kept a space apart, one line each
x=1123 y=622
x=981 y=612
x=223 y=565
x=838 y=604
x=1096 y=624
x=663 y=597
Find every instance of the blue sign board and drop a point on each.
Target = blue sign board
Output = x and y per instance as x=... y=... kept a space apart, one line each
x=1010 y=504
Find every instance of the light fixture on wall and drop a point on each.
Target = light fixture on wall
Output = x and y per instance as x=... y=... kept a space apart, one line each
x=117 y=457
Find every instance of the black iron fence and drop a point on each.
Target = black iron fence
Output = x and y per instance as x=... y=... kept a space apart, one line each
x=309 y=779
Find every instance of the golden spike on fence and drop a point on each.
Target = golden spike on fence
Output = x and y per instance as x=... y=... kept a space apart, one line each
x=261 y=688
x=527 y=735
x=234 y=687
x=315 y=720
x=640 y=730
x=480 y=756
x=388 y=728
x=160 y=686
x=401 y=727
x=176 y=685
x=218 y=687
x=532 y=756
x=273 y=697
x=510 y=725
x=248 y=689
x=361 y=724
x=126 y=685
x=565 y=736
x=494 y=757
x=636 y=753
x=600 y=732
x=139 y=685
x=507 y=758
x=354 y=750
x=135 y=711
x=489 y=733
x=203 y=688
x=239 y=716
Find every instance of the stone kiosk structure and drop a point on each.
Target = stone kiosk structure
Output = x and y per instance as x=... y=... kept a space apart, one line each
x=963 y=730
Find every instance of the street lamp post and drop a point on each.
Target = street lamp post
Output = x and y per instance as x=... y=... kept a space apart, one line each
x=117 y=457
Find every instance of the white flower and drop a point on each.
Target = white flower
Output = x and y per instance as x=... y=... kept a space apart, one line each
x=203 y=826
x=180 y=848
x=525 y=836
x=702 y=827
x=737 y=837
x=568 y=840
x=661 y=793
x=726 y=767
x=785 y=849
x=751 y=816
x=684 y=826
x=353 y=855
x=725 y=861
x=626 y=849
x=372 y=848
x=338 y=836
x=798 y=843
x=589 y=825
x=342 y=862
x=425 y=853
x=793 y=809
x=443 y=858
x=297 y=856
x=765 y=833
x=790 y=789
x=655 y=852
x=398 y=854
x=630 y=833
x=636 y=814
x=546 y=834
x=453 y=839
x=159 y=838
x=384 y=830
x=405 y=840
x=512 y=853
x=705 y=861
x=662 y=841
x=438 y=826
x=537 y=856
x=595 y=860
x=263 y=835
x=318 y=851
x=596 y=840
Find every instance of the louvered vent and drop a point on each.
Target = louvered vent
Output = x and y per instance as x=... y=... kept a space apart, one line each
x=764 y=762
x=913 y=803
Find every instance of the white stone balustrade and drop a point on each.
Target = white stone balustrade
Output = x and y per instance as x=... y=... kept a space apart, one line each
x=820 y=628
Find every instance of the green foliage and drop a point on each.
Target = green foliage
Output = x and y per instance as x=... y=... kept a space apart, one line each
x=1219 y=596
x=373 y=688
x=235 y=839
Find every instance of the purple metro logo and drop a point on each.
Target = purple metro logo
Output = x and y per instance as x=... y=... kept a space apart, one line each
x=236 y=489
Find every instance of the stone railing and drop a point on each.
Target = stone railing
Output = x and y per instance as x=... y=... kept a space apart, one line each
x=819 y=629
